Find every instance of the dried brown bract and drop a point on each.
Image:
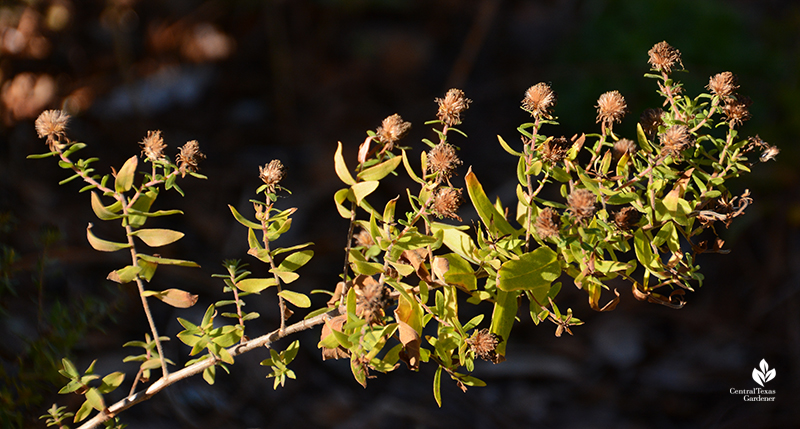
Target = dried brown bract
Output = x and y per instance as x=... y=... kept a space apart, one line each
x=153 y=146
x=611 y=107
x=372 y=299
x=189 y=157
x=539 y=100
x=663 y=57
x=623 y=146
x=363 y=239
x=392 y=129
x=484 y=344
x=581 y=204
x=53 y=125
x=547 y=223
x=446 y=202
x=737 y=109
x=627 y=218
x=272 y=173
x=452 y=106
x=554 y=150
x=674 y=140
x=723 y=84
x=651 y=120
x=442 y=159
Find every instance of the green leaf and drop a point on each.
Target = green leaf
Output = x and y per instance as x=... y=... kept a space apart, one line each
x=339 y=198
x=124 y=180
x=362 y=189
x=157 y=237
x=254 y=285
x=455 y=239
x=139 y=211
x=533 y=271
x=111 y=382
x=174 y=297
x=341 y=168
x=485 y=208
x=460 y=272
x=505 y=310
x=95 y=399
x=286 y=276
x=84 y=412
x=102 y=212
x=381 y=170
x=643 y=143
x=103 y=245
x=508 y=149
x=242 y=220
x=291 y=351
x=148 y=269
x=166 y=261
x=359 y=370
x=69 y=368
x=296 y=260
x=42 y=155
x=296 y=298
x=124 y=275
x=437 y=385
x=410 y=170
x=367 y=268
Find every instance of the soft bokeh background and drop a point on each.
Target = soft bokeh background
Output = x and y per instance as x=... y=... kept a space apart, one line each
x=257 y=80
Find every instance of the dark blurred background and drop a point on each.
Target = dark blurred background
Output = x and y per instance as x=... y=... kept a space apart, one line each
x=257 y=80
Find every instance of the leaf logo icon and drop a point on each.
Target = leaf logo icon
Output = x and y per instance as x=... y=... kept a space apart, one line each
x=764 y=375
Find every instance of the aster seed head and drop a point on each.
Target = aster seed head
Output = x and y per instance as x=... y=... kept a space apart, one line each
x=189 y=157
x=547 y=223
x=363 y=239
x=663 y=57
x=736 y=109
x=392 y=129
x=723 y=84
x=539 y=100
x=554 y=150
x=53 y=125
x=272 y=173
x=651 y=120
x=443 y=160
x=611 y=107
x=452 y=106
x=674 y=140
x=153 y=146
x=484 y=344
x=627 y=218
x=623 y=146
x=446 y=202
x=581 y=204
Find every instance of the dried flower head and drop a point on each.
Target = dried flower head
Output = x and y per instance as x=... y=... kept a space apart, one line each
x=442 y=159
x=53 y=125
x=153 y=146
x=547 y=223
x=392 y=129
x=554 y=150
x=272 y=173
x=611 y=107
x=769 y=153
x=627 y=218
x=446 y=202
x=723 y=84
x=452 y=106
x=736 y=109
x=363 y=239
x=371 y=299
x=651 y=120
x=623 y=146
x=189 y=157
x=539 y=100
x=484 y=344
x=663 y=57
x=674 y=140
x=581 y=203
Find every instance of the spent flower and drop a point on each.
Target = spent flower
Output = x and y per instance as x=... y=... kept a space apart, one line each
x=153 y=146
x=611 y=107
x=539 y=100
x=392 y=129
x=443 y=160
x=189 y=157
x=663 y=57
x=53 y=125
x=547 y=223
x=723 y=84
x=446 y=202
x=452 y=106
x=581 y=203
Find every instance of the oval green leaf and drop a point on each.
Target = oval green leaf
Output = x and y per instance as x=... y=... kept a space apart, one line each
x=157 y=237
x=124 y=180
x=255 y=285
x=101 y=211
x=362 y=189
x=103 y=245
x=533 y=271
x=296 y=298
x=378 y=172
x=486 y=210
x=341 y=168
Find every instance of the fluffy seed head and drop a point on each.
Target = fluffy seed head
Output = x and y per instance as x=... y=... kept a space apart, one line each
x=627 y=218
x=723 y=84
x=371 y=300
x=623 y=146
x=484 y=344
x=442 y=159
x=53 y=125
x=547 y=223
x=446 y=202
x=153 y=146
x=272 y=173
x=581 y=203
x=651 y=120
x=539 y=100
x=737 y=109
x=675 y=139
x=554 y=150
x=189 y=157
x=664 y=57
x=452 y=106
x=392 y=129
x=611 y=107
x=363 y=239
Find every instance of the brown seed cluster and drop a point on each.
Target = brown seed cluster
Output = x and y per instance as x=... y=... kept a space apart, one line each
x=554 y=150
x=446 y=202
x=611 y=107
x=581 y=204
x=674 y=140
x=651 y=120
x=363 y=239
x=723 y=84
x=737 y=109
x=539 y=100
x=443 y=161
x=623 y=146
x=372 y=299
x=627 y=218
x=452 y=106
x=189 y=157
x=548 y=223
x=484 y=344
x=272 y=173
x=153 y=146
x=663 y=57
x=53 y=125
x=392 y=129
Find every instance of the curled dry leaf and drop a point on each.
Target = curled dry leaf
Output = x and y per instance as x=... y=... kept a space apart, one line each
x=335 y=323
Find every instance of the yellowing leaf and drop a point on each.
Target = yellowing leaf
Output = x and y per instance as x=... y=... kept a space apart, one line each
x=124 y=180
x=296 y=298
x=174 y=297
x=167 y=261
x=362 y=189
x=341 y=168
x=157 y=237
x=103 y=245
x=533 y=271
x=124 y=275
x=102 y=212
x=488 y=214
x=255 y=285
x=378 y=172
